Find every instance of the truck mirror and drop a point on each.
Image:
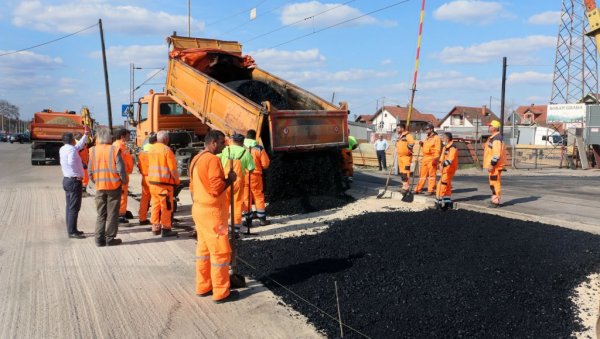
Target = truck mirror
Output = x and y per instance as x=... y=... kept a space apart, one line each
x=544 y=137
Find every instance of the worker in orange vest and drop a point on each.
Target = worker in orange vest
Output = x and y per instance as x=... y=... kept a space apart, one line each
x=494 y=159
x=107 y=171
x=84 y=154
x=449 y=163
x=143 y=168
x=253 y=187
x=209 y=188
x=162 y=178
x=431 y=153
x=122 y=136
x=404 y=150
x=237 y=155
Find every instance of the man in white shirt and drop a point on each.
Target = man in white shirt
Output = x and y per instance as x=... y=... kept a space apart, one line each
x=72 y=169
x=381 y=145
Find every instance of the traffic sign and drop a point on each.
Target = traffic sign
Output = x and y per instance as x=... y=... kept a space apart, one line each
x=125 y=109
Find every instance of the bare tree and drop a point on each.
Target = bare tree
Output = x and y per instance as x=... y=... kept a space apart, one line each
x=9 y=110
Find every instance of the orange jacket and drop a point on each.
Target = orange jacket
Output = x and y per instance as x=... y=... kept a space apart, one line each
x=404 y=145
x=125 y=154
x=494 y=153
x=449 y=157
x=261 y=159
x=103 y=167
x=432 y=146
x=84 y=154
x=162 y=166
x=143 y=163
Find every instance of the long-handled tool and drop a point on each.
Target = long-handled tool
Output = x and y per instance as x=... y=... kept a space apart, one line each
x=236 y=280
x=409 y=195
x=387 y=182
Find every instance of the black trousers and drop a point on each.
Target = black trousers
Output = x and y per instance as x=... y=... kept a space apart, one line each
x=381 y=160
x=72 y=187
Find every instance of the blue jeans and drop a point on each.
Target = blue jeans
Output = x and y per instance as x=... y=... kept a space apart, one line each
x=72 y=187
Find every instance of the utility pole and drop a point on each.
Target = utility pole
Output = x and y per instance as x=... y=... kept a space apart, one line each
x=503 y=95
x=105 y=76
x=189 y=20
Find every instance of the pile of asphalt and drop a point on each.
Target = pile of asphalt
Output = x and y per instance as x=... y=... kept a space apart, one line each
x=431 y=274
x=304 y=182
x=258 y=91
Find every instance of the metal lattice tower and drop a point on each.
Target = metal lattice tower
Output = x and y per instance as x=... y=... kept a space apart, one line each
x=576 y=62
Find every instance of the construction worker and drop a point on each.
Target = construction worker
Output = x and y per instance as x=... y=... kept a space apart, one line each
x=239 y=157
x=494 y=158
x=347 y=161
x=143 y=168
x=254 y=185
x=430 y=151
x=107 y=171
x=162 y=179
x=449 y=163
x=84 y=154
x=122 y=137
x=404 y=150
x=210 y=207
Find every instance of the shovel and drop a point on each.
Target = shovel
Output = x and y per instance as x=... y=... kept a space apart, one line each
x=409 y=196
x=236 y=280
x=387 y=182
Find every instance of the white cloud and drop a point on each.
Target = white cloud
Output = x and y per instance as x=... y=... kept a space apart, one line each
x=436 y=75
x=276 y=60
x=141 y=55
x=530 y=77
x=470 y=11
x=25 y=70
x=72 y=16
x=518 y=49
x=318 y=77
x=306 y=14
x=386 y=62
x=545 y=18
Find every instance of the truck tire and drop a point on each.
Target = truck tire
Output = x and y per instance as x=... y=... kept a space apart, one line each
x=258 y=91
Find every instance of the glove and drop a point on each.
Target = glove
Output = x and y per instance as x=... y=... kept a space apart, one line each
x=84 y=166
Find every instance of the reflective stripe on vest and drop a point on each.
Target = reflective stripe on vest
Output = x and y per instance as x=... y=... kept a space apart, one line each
x=158 y=170
x=104 y=167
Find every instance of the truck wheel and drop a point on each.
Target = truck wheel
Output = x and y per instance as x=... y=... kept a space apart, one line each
x=34 y=163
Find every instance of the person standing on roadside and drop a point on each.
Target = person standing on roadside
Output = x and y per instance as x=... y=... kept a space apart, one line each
x=72 y=169
x=143 y=168
x=494 y=159
x=108 y=173
x=432 y=147
x=381 y=145
x=121 y=143
x=210 y=210
x=404 y=149
x=449 y=163
x=254 y=186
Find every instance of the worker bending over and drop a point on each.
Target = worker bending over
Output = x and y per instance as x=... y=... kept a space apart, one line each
x=404 y=149
x=431 y=153
x=121 y=143
x=347 y=160
x=494 y=158
x=162 y=178
x=254 y=185
x=237 y=155
x=449 y=163
x=143 y=168
x=210 y=207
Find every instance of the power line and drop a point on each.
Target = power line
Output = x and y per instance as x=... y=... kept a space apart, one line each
x=341 y=23
x=236 y=14
x=298 y=21
x=153 y=75
x=48 y=42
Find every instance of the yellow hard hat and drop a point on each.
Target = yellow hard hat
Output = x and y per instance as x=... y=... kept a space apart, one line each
x=495 y=123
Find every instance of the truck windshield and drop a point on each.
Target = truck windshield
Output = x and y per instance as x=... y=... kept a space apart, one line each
x=143 y=111
x=171 y=109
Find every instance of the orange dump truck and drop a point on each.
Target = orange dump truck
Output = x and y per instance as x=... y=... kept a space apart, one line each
x=211 y=84
x=47 y=128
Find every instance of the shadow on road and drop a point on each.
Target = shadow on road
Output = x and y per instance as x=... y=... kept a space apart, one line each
x=480 y=197
x=520 y=200
x=465 y=190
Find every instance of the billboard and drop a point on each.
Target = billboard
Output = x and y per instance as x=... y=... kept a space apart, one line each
x=566 y=112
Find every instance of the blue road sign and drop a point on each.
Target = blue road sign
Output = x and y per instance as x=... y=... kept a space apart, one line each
x=124 y=110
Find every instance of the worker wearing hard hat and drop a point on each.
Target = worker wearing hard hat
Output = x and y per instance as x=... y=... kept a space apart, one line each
x=431 y=153
x=494 y=158
x=236 y=156
x=449 y=163
x=404 y=149
x=209 y=188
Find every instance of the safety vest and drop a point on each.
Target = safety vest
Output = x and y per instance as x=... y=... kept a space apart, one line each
x=162 y=166
x=494 y=153
x=143 y=163
x=103 y=167
x=432 y=146
x=449 y=157
x=125 y=155
x=404 y=145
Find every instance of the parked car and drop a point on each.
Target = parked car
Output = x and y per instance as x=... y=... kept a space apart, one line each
x=20 y=138
x=3 y=137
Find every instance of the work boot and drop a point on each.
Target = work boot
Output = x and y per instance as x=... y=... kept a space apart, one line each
x=123 y=220
x=166 y=232
x=156 y=229
x=128 y=215
x=144 y=222
x=247 y=222
x=264 y=222
x=114 y=242
x=233 y=295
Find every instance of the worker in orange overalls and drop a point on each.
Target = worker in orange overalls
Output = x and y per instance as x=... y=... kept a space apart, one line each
x=122 y=137
x=143 y=168
x=84 y=154
x=494 y=159
x=239 y=157
x=449 y=163
x=162 y=179
x=209 y=188
x=404 y=149
x=253 y=187
x=431 y=153
x=347 y=159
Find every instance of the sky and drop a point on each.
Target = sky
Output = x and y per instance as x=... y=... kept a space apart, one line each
x=358 y=51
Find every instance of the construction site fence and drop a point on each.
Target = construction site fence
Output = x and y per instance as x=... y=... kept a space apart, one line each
x=470 y=154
